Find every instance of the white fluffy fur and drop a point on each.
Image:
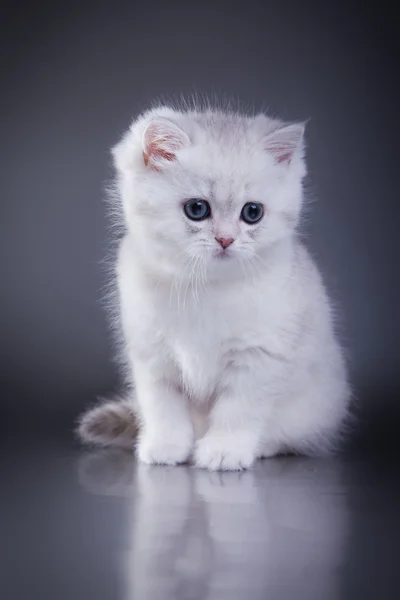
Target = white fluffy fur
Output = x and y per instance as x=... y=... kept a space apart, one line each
x=246 y=340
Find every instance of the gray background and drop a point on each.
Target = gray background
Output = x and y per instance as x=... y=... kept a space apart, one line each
x=73 y=77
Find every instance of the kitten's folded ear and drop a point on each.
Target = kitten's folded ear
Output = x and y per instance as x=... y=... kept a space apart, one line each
x=161 y=140
x=285 y=142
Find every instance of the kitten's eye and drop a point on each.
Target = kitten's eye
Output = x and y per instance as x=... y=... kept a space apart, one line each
x=196 y=209
x=252 y=212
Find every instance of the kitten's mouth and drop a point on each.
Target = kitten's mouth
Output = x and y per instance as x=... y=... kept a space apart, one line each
x=222 y=254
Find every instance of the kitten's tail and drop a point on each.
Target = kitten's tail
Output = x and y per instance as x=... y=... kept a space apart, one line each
x=110 y=423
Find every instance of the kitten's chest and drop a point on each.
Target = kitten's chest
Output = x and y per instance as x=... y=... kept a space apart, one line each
x=201 y=338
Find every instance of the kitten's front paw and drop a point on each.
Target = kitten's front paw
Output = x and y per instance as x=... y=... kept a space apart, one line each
x=224 y=452
x=156 y=451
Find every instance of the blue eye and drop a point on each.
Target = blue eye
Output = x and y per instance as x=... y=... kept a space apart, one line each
x=252 y=212
x=197 y=209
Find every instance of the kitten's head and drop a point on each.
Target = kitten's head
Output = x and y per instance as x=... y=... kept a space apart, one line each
x=210 y=188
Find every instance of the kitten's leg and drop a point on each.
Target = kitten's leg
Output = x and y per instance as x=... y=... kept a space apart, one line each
x=270 y=449
x=312 y=422
x=237 y=421
x=167 y=433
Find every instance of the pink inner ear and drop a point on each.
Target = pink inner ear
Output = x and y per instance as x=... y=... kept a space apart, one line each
x=157 y=152
x=282 y=154
x=161 y=140
x=283 y=143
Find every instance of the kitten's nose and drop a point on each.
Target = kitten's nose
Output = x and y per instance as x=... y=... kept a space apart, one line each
x=224 y=242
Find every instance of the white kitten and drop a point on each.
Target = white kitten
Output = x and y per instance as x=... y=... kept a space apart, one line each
x=225 y=319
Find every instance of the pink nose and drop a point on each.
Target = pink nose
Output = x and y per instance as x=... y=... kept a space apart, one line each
x=224 y=242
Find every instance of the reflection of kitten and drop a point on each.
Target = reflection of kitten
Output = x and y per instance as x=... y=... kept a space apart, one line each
x=221 y=306
x=278 y=530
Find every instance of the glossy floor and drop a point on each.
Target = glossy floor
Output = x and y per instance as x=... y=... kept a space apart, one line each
x=83 y=526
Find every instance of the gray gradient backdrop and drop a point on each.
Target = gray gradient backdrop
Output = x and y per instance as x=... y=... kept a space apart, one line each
x=74 y=74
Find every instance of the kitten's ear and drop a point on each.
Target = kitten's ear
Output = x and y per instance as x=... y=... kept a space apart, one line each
x=162 y=139
x=285 y=142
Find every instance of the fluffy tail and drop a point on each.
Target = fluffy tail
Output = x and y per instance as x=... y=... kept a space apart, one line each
x=110 y=423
